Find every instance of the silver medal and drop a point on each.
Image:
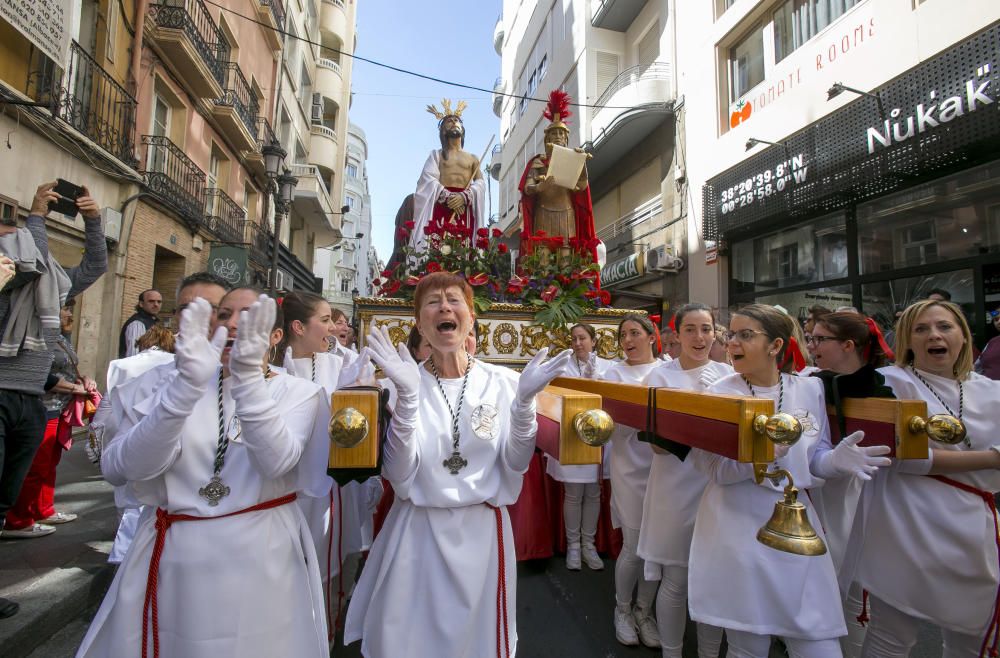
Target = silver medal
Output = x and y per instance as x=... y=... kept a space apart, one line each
x=485 y=424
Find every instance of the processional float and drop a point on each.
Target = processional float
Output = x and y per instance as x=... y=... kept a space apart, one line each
x=527 y=305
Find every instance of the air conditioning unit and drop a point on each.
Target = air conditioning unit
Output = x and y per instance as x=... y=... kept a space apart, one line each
x=662 y=259
x=284 y=280
x=111 y=223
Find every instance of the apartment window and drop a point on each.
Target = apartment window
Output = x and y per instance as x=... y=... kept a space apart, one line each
x=249 y=201
x=161 y=117
x=112 y=30
x=351 y=201
x=305 y=86
x=798 y=21
x=345 y=284
x=746 y=63
x=607 y=70
x=8 y=209
x=352 y=170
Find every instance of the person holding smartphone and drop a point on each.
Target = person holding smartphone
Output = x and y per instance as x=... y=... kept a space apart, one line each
x=29 y=327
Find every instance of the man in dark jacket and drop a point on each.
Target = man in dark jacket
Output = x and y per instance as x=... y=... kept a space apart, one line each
x=147 y=313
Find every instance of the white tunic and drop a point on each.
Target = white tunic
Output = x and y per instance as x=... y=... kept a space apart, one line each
x=930 y=548
x=429 y=586
x=246 y=585
x=630 y=458
x=582 y=474
x=736 y=582
x=675 y=487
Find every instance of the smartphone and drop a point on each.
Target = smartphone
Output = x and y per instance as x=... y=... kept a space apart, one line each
x=68 y=194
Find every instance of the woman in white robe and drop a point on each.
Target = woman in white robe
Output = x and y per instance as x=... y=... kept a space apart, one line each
x=228 y=561
x=847 y=348
x=441 y=577
x=630 y=462
x=308 y=323
x=675 y=488
x=582 y=484
x=930 y=551
x=735 y=582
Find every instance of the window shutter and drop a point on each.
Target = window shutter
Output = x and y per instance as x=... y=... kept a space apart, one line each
x=607 y=70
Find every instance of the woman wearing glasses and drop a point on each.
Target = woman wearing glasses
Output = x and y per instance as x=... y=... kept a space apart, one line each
x=736 y=582
x=581 y=484
x=675 y=488
x=930 y=550
x=847 y=348
x=630 y=462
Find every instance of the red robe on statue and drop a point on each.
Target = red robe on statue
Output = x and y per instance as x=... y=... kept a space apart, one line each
x=583 y=209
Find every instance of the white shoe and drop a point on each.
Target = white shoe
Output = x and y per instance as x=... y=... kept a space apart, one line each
x=625 y=627
x=592 y=559
x=59 y=517
x=646 y=624
x=573 y=558
x=31 y=532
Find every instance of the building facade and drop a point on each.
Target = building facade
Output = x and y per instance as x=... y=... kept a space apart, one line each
x=346 y=265
x=615 y=59
x=843 y=153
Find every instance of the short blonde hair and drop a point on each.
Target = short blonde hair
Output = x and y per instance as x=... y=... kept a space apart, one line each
x=904 y=327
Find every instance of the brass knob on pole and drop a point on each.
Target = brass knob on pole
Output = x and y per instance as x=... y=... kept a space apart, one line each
x=593 y=426
x=781 y=428
x=348 y=427
x=942 y=428
x=789 y=529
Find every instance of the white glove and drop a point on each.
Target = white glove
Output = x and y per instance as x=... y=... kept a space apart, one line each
x=397 y=364
x=352 y=372
x=289 y=364
x=197 y=358
x=850 y=459
x=253 y=339
x=709 y=377
x=7 y=270
x=537 y=375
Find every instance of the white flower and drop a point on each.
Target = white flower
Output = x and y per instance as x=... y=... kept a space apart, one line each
x=445 y=249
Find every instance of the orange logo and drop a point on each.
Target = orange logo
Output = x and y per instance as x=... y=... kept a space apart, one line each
x=741 y=114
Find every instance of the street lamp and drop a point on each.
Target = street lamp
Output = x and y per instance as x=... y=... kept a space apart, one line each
x=284 y=189
x=357 y=236
x=838 y=88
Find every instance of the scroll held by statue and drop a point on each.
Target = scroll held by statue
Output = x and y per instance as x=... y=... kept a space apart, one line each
x=565 y=166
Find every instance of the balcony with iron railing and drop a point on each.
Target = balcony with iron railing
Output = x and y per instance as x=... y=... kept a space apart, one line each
x=191 y=43
x=89 y=100
x=635 y=103
x=224 y=217
x=271 y=13
x=237 y=108
x=261 y=242
x=264 y=135
x=174 y=179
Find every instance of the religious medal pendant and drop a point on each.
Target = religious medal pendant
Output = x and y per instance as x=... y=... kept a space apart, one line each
x=456 y=462
x=214 y=491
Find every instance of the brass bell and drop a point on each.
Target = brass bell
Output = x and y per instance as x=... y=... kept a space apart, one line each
x=789 y=529
x=783 y=429
x=348 y=427
x=594 y=427
x=942 y=428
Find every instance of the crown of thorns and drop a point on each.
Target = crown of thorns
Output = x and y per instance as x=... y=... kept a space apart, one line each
x=447 y=110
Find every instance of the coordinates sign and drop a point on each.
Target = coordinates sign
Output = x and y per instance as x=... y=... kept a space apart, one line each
x=762 y=184
x=44 y=23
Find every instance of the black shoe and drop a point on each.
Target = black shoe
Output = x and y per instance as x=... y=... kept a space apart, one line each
x=8 y=608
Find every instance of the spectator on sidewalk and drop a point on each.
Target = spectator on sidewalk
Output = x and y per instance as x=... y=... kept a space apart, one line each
x=34 y=514
x=988 y=363
x=147 y=313
x=29 y=326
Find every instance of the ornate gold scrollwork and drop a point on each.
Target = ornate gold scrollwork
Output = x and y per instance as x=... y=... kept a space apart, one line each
x=533 y=338
x=607 y=343
x=505 y=338
x=483 y=344
x=399 y=329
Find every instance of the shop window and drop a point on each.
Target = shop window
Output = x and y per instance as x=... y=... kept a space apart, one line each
x=799 y=302
x=798 y=21
x=953 y=217
x=746 y=64
x=885 y=300
x=811 y=252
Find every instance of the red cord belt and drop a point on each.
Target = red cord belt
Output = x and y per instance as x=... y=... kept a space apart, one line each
x=163 y=523
x=994 y=628
x=502 y=627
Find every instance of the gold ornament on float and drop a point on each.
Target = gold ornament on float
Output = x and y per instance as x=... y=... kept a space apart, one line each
x=348 y=427
x=594 y=427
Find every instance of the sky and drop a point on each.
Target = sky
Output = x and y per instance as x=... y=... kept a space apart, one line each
x=447 y=39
